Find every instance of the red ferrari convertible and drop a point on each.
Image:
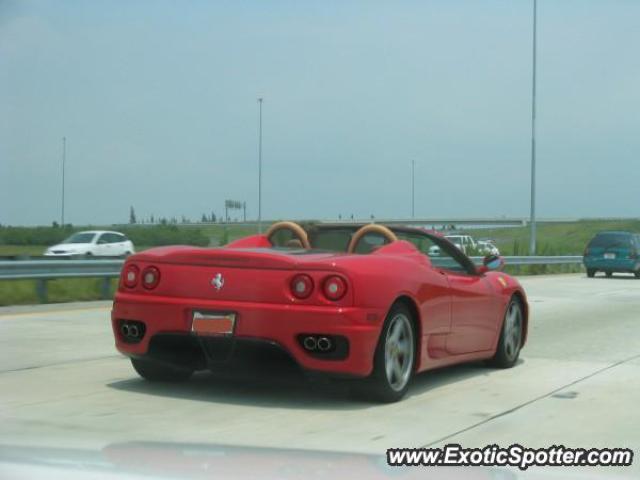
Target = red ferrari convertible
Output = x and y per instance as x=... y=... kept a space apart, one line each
x=369 y=302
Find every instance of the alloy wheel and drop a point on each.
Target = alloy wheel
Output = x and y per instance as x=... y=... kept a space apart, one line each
x=399 y=346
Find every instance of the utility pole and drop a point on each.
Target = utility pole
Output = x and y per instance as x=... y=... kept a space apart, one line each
x=64 y=159
x=532 y=244
x=413 y=189
x=260 y=167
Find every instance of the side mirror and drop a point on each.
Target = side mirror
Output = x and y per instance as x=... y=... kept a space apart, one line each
x=491 y=262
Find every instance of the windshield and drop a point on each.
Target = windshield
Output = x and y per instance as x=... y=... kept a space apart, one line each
x=80 y=238
x=332 y=239
x=611 y=240
x=337 y=239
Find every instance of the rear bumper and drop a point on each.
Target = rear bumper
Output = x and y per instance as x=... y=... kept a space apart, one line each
x=272 y=323
x=612 y=265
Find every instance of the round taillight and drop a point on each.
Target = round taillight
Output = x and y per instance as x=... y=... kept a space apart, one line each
x=130 y=276
x=334 y=287
x=301 y=286
x=150 y=277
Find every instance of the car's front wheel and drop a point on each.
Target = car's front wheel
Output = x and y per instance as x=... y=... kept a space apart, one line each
x=157 y=372
x=510 y=341
x=394 y=360
x=591 y=272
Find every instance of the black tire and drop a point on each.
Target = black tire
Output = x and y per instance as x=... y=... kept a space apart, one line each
x=637 y=273
x=591 y=272
x=609 y=274
x=156 y=372
x=378 y=386
x=510 y=342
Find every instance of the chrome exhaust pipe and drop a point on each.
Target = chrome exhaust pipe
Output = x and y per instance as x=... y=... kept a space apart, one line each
x=324 y=344
x=124 y=329
x=310 y=343
x=133 y=331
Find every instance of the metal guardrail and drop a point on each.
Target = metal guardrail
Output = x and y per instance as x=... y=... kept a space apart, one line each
x=44 y=270
x=538 y=260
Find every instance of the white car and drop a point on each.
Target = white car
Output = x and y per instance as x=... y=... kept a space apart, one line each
x=486 y=247
x=93 y=243
x=466 y=243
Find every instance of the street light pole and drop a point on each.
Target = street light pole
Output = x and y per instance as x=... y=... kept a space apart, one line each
x=260 y=167
x=532 y=245
x=64 y=159
x=413 y=189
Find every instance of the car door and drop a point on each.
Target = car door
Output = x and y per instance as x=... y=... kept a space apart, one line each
x=472 y=246
x=113 y=245
x=466 y=244
x=434 y=300
x=119 y=244
x=103 y=245
x=474 y=305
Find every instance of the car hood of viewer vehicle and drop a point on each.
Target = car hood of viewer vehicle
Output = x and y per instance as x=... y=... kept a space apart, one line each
x=151 y=460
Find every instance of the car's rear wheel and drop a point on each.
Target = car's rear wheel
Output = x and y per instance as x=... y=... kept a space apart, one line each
x=591 y=272
x=510 y=341
x=394 y=360
x=637 y=273
x=157 y=372
x=609 y=274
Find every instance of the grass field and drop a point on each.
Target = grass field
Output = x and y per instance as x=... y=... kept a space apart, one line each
x=553 y=238
x=11 y=250
x=216 y=235
x=568 y=238
x=34 y=250
x=23 y=292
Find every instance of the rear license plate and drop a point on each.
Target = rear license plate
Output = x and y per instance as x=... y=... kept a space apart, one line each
x=609 y=256
x=213 y=323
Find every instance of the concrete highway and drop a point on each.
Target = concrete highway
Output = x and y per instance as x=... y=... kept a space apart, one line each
x=63 y=386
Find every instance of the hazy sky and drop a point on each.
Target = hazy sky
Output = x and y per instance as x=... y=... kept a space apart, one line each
x=158 y=102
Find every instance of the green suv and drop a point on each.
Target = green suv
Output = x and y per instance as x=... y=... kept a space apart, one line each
x=611 y=252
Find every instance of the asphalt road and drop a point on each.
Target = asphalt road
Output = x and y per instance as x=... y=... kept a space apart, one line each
x=62 y=385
